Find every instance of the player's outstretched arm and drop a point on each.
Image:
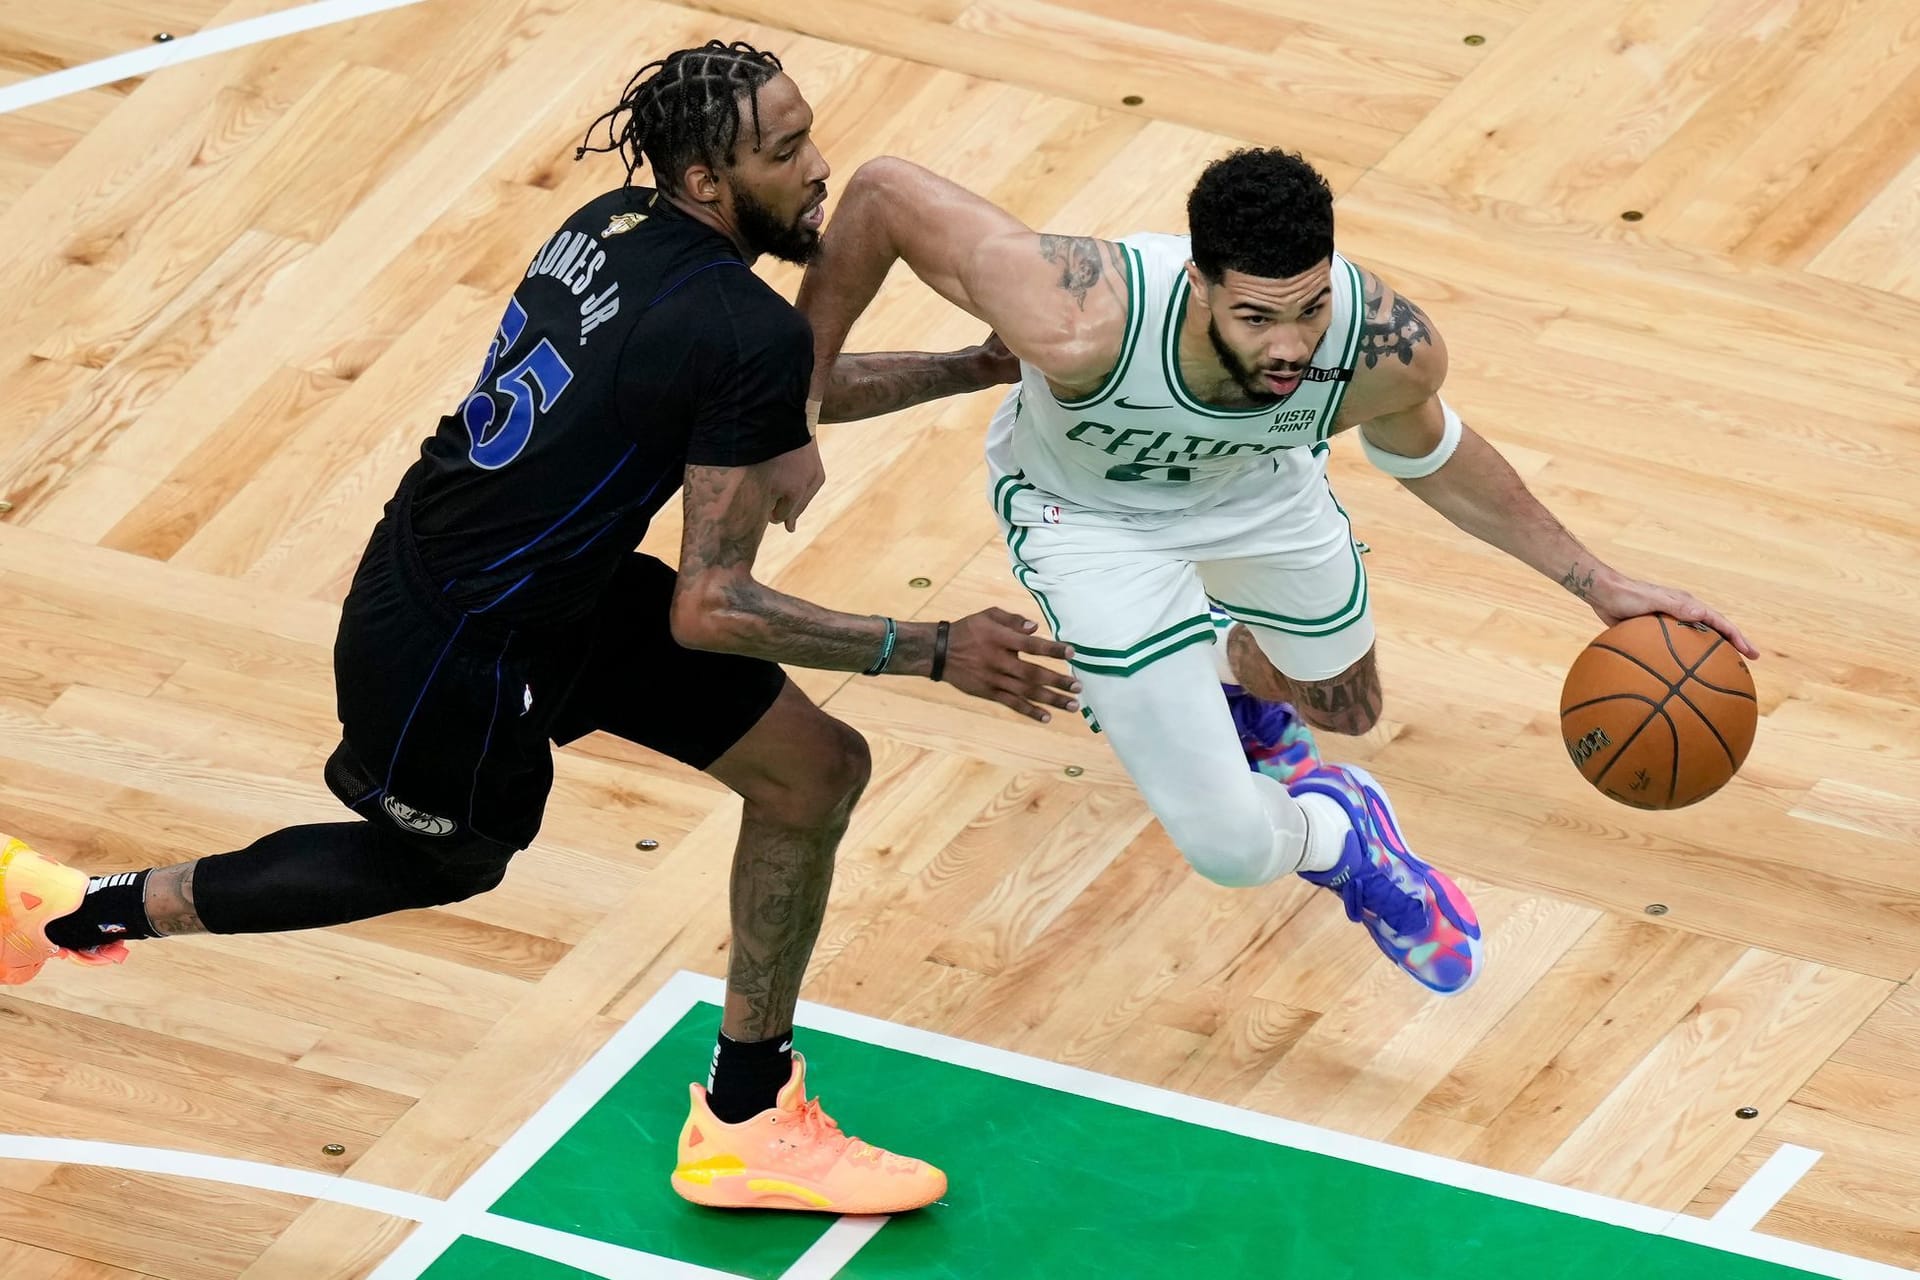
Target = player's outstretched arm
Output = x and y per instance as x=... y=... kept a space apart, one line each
x=1409 y=432
x=718 y=605
x=873 y=383
x=1058 y=302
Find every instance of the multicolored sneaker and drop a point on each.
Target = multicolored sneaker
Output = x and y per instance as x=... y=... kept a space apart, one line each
x=793 y=1156
x=34 y=890
x=1417 y=916
x=1277 y=741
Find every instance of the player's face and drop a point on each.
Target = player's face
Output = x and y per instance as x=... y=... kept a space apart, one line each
x=779 y=187
x=1265 y=330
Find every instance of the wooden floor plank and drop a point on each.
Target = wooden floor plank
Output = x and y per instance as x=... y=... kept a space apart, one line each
x=245 y=287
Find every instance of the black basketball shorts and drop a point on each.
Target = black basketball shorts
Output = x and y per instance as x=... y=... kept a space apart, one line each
x=447 y=724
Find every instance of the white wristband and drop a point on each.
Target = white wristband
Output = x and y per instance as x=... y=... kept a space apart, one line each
x=1401 y=467
x=813 y=418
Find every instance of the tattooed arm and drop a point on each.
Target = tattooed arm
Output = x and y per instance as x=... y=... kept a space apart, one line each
x=881 y=382
x=1059 y=302
x=1396 y=396
x=718 y=605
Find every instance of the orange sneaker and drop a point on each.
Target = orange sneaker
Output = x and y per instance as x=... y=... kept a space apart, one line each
x=34 y=890
x=793 y=1156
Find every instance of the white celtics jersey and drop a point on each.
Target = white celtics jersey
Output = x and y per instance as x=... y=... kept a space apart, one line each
x=1144 y=442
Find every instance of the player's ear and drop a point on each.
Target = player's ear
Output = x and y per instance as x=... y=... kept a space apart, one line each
x=1198 y=282
x=702 y=182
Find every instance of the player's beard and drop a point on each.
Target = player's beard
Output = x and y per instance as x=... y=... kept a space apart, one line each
x=1244 y=375
x=764 y=232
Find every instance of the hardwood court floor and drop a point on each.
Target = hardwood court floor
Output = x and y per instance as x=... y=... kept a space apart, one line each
x=242 y=290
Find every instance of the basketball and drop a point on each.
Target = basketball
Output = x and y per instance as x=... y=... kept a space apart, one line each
x=1658 y=713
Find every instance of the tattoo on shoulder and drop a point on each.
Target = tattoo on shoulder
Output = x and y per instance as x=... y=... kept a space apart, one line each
x=1078 y=258
x=1395 y=335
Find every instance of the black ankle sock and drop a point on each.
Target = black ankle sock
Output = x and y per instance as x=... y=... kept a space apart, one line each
x=114 y=910
x=747 y=1076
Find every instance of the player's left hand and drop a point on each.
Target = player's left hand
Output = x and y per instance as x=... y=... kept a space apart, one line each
x=1616 y=597
x=794 y=477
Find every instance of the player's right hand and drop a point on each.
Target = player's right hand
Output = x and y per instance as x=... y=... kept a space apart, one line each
x=984 y=658
x=794 y=477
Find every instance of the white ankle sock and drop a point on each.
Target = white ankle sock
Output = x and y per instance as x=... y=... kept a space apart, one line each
x=1327 y=828
x=1309 y=831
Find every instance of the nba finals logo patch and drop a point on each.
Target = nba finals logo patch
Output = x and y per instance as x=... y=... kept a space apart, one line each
x=1050 y=513
x=413 y=819
x=623 y=223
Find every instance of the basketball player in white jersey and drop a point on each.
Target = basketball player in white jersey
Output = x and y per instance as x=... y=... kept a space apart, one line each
x=1162 y=461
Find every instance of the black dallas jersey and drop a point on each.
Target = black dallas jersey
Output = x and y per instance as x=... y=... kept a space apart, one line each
x=637 y=344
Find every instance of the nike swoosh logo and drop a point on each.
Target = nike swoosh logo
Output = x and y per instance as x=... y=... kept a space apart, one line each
x=1122 y=403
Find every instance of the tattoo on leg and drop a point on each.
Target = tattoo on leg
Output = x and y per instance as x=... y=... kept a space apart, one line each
x=1349 y=703
x=781 y=875
x=169 y=900
x=1252 y=670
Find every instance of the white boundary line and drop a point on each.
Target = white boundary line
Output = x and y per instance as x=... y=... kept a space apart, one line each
x=235 y=35
x=467 y=1209
x=1766 y=1188
x=466 y=1213
x=240 y=1173
x=835 y=1249
x=438 y=1216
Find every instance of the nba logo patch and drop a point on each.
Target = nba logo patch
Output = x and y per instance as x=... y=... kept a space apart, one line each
x=1050 y=514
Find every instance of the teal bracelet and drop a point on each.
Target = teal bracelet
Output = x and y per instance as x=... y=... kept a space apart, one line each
x=886 y=650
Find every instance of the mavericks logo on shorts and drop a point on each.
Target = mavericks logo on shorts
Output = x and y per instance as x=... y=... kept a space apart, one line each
x=413 y=819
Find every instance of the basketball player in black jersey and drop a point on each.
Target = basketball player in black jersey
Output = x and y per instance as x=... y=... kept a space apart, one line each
x=500 y=607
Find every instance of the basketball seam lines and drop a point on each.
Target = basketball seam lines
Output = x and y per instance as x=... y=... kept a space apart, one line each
x=1731 y=693
x=1673 y=687
x=1611 y=697
x=1646 y=667
x=1711 y=728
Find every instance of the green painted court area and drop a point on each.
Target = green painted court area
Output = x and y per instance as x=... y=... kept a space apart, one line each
x=1048 y=1184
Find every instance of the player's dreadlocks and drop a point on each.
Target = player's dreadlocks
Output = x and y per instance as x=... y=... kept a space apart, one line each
x=682 y=109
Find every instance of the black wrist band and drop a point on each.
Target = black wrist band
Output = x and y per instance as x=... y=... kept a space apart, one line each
x=940 y=636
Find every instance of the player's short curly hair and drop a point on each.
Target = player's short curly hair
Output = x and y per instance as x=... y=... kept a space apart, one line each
x=685 y=109
x=1260 y=211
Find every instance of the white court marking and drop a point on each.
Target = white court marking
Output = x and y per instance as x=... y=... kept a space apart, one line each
x=145 y=61
x=443 y=1222
x=1766 y=1188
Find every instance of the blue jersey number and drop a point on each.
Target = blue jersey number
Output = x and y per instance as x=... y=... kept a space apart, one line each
x=530 y=387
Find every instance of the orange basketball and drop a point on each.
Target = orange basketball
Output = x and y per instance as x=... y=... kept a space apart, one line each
x=1658 y=713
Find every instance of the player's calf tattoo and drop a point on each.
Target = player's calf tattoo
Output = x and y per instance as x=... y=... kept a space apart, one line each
x=781 y=876
x=169 y=900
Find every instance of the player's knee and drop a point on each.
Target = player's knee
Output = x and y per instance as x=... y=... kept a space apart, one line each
x=465 y=868
x=820 y=781
x=847 y=769
x=1229 y=844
